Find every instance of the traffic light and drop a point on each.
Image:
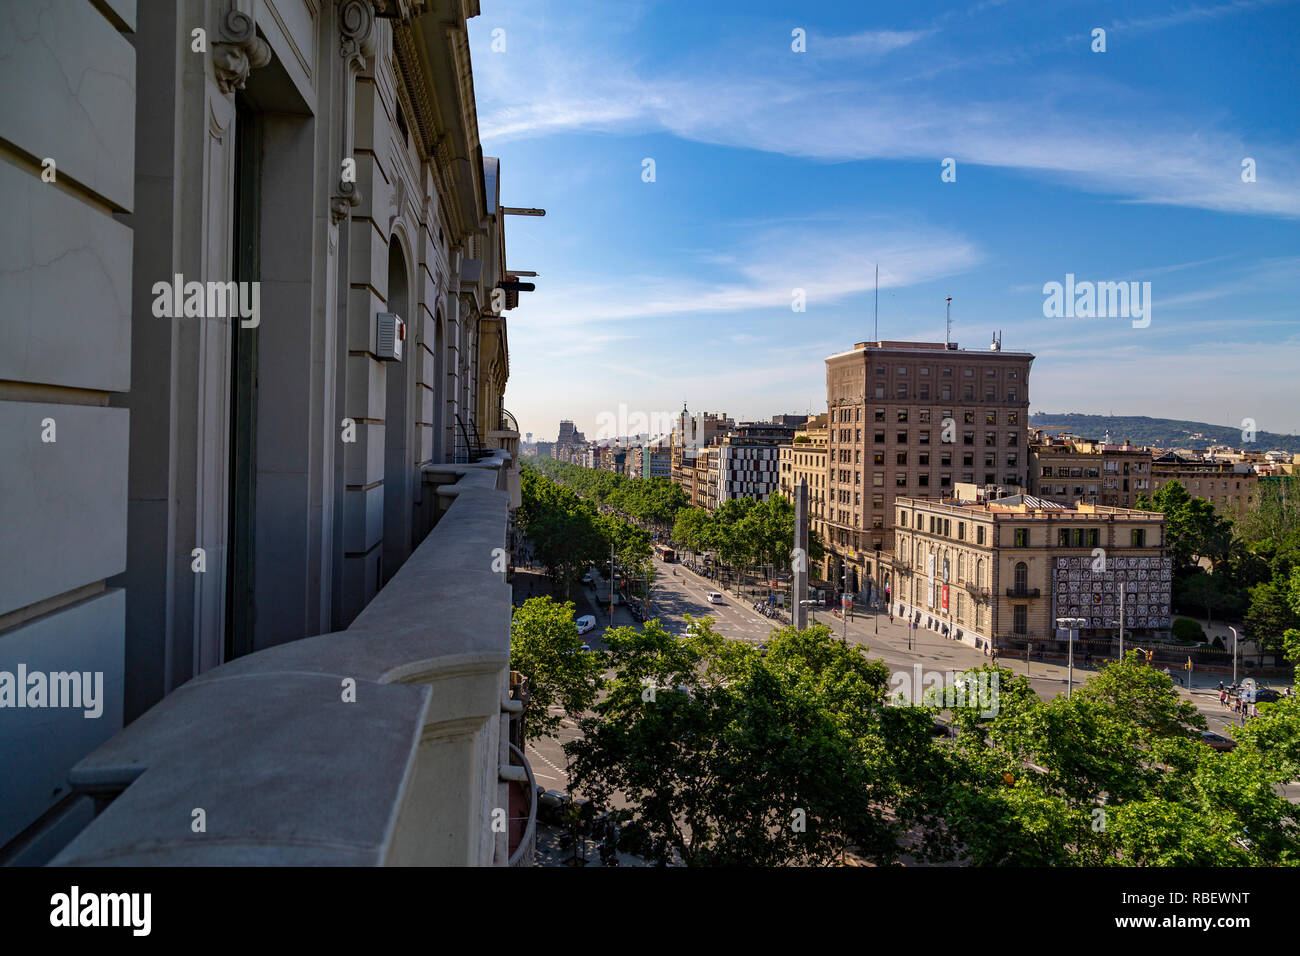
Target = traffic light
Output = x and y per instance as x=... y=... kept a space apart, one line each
x=1148 y=654
x=1188 y=665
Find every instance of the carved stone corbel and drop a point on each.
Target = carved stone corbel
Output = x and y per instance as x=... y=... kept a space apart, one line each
x=342 y=204
x=240 y=53
x=357 y=24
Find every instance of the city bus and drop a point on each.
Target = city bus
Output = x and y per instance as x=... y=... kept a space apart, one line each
x=665 y=553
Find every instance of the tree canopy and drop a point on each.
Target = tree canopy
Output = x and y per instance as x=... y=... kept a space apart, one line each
x=546 y=648
x=721 y=755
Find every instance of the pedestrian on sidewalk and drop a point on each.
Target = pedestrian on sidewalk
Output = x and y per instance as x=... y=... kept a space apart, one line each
x=1223 y=695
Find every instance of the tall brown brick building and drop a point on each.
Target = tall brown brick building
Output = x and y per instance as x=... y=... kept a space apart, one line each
x=913 y=419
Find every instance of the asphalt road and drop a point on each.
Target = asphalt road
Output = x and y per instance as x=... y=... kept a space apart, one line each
x=686 y=593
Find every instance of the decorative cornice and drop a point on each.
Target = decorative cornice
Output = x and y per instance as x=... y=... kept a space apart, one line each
x=411 y=78
x=242 y=52
x=398 y=9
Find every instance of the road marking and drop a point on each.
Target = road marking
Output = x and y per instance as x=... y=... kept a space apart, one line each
x=546 y=760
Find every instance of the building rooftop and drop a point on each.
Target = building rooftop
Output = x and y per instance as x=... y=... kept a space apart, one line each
x=1023 y=506
x=926 y=348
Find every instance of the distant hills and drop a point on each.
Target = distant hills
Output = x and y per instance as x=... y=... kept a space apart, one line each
x=1169 y=432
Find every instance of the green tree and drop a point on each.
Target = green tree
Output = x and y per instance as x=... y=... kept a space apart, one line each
x=1116 y=775
x=1192 y=527
x=1208 y=594
x=693 y=529
x=545 y=647
x=1270 y=614
x=756 y=760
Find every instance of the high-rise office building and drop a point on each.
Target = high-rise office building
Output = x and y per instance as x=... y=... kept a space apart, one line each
x=913 y=419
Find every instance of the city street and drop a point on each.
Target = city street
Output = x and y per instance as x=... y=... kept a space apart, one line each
x=675 y=596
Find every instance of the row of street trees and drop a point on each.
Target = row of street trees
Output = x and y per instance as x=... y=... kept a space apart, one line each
x=745 y=533
x=648 y=501
x=570 y=534
x=706 y=752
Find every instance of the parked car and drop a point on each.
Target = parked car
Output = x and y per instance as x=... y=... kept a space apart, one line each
x=1217 y=741
x=1266 y=696
x=586 y=623
x=715 y=597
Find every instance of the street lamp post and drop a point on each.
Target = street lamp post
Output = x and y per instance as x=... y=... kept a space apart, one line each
x=1234 y=654
x=876 y=588
x=844 y=603
x=1072 y=624
x=812 y=612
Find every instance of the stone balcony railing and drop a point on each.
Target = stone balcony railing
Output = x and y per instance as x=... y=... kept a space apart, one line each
x=508 y=442
x=384 y=744
x=506 y=438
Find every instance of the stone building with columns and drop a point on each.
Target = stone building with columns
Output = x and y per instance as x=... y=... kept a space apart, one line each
x=217 y=484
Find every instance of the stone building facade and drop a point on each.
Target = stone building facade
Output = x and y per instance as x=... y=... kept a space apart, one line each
x=805 y=459
x=222 y=481
x=1066 y=469
x=690 y=435
x=999 y=573
x=1232 y=487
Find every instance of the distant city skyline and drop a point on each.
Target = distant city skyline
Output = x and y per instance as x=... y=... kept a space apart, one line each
x=780 y=174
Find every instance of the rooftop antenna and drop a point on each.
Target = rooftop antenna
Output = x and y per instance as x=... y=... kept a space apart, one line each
x=877 y=332
x=947 y=332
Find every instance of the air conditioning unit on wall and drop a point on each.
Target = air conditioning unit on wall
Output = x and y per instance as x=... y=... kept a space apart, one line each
x=390 y=333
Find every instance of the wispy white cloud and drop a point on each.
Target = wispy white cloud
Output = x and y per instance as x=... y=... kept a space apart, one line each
x=873 y=43
x=763 y=271
x=1079 y=129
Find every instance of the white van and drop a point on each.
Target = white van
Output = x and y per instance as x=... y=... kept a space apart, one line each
x=586 y=623
x=715 y=597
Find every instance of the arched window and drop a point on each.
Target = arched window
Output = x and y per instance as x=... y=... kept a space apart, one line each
x=1022 y=576
x=979 y=573
x=961 y=566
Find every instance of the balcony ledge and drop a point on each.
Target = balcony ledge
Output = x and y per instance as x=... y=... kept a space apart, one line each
x=287 y=772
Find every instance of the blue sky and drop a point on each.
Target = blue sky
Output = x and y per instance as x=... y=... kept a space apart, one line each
x=777 y=170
